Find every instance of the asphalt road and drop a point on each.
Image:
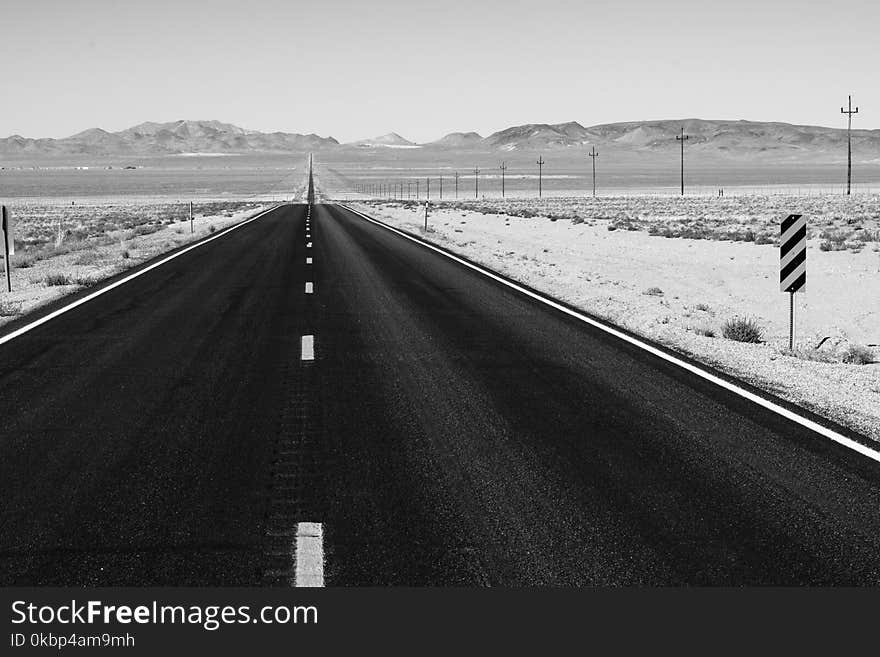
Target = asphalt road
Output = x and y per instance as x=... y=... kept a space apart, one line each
x=449 y=431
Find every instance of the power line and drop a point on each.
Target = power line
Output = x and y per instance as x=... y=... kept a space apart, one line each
x=849 y=113
x=593 y=155
x=540 y=175
x=682 y=139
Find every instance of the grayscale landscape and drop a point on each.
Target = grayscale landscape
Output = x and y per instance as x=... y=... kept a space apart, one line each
x=466 y=351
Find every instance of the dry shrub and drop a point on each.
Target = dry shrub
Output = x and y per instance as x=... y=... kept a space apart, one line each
x=743 y=329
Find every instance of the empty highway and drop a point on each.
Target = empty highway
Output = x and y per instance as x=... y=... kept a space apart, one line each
x=323 y=400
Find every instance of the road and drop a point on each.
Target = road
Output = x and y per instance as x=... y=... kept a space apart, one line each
x=449 y=431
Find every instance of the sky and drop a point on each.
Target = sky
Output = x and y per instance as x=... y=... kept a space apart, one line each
x=353 y=69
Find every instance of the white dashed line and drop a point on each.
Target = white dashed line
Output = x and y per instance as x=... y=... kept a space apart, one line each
x=308 y=261
x=308 y=245
x=309 y=555
x=838 y=438
x=308 y=347
x=310 y=288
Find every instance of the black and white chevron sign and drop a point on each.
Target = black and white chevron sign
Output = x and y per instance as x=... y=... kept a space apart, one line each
x=793 y=254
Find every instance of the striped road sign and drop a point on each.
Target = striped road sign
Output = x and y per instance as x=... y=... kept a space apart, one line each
x=793 y=254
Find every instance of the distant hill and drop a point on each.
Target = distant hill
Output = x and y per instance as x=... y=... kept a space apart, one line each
x=458 y=140
x=539 y=136
x=730 y=138
x=391 y=140
x=167 y=138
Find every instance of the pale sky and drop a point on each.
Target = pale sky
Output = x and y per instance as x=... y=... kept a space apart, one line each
x=355 y=69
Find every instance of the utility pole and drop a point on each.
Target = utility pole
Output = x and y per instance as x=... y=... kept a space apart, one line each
x=683 y=138
x=503 y=168
x=593 y=155
x=428 y=188
x=8 y=245
x=441 y=188
x=540 y=175
x=476 y=182
x=456 y=185
x=849 y=112
x=417 y=189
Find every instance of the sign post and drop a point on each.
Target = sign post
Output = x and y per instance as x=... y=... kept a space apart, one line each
x=8 y=245
x=793 y=263
x=191 y=227
x=426 y=215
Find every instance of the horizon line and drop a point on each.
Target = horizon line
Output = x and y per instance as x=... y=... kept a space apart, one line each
x=395 y=132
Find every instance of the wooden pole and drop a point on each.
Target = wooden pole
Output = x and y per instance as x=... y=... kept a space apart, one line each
x=682 y=139
x=849 y=114
x=4 y=222
x=540 y=175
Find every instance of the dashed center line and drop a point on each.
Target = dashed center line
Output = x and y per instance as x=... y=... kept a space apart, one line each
x=308 y=347
x=308 y=245
x=308 y=261
x=310 y=288
x=309 y=555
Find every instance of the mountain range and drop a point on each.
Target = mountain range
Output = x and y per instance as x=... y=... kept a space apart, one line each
x=167 y=138
x=731 y=138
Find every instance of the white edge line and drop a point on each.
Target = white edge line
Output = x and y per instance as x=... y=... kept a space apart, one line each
x=310 y=287
x=309 y=555
x=308 y=347
x=776 y=408
x=56 y=313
